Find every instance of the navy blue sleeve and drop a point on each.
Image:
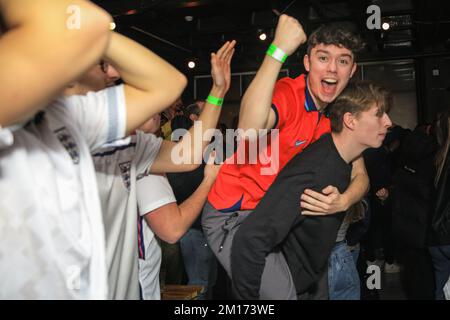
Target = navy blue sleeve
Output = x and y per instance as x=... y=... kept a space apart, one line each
x=277 y=116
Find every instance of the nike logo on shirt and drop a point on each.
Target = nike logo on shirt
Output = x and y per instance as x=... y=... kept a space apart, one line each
x=298 y=142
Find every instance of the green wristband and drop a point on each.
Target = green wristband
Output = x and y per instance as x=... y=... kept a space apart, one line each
x=214 y=100
x=277 y=53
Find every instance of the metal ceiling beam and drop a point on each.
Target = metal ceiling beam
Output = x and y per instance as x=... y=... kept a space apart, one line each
x=161 y=39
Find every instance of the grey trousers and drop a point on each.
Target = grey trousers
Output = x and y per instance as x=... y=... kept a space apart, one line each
x=219 y=229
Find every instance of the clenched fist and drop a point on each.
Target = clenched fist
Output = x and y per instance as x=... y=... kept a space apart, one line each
x=289 y=34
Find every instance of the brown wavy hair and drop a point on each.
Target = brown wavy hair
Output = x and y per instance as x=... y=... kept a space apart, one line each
x=335 y=34
x=357 y=97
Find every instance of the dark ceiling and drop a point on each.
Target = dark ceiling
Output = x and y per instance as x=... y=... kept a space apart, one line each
x=418 y=27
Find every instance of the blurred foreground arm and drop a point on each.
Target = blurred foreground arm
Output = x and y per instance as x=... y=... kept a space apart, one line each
x=41 y=52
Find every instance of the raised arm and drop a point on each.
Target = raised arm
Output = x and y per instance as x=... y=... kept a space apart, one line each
x=41 y=53
x=151 y=84
x=196 y=143
x=330 y=200
x=170 y=222
x=256 y=111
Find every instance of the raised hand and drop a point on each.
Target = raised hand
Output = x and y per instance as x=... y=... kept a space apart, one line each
x=289 y=34
x=220 y=66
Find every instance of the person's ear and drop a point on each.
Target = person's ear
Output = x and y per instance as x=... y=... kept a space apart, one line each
x=306 y=62
x=193 y=117
x=349 y=120
x=353 y=70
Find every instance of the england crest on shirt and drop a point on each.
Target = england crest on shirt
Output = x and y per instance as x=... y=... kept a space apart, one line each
x=69 y=144
x=125 y=168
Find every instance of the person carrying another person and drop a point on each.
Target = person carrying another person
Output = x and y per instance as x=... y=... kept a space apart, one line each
x=296 y=109
x=279 y=253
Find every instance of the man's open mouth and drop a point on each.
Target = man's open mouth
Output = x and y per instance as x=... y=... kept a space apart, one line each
x=329 y=85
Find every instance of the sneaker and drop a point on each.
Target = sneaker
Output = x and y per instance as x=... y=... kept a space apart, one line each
x=391 y=268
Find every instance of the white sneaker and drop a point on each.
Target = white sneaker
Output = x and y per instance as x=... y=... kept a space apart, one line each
x=392 y=268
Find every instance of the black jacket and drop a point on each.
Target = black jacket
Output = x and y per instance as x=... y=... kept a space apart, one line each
x=440 y=220
x=413 y=190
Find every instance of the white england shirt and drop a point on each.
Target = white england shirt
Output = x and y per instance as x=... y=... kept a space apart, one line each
x=119 y=165
x=51 y=231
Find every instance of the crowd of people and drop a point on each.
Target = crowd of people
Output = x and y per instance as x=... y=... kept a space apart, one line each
x=111 y=191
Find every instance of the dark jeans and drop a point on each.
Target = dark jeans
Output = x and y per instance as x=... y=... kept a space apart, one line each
x=172 y=269
x=417 y=275
x=380 y=234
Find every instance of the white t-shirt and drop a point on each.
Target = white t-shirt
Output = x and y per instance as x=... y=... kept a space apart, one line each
x=51 y=230
x=118 y=166
x=153 y=192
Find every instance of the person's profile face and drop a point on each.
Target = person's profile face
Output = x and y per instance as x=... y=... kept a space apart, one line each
x=110 y=73
x=99 y=77
x=330 y=68
x=371 y=127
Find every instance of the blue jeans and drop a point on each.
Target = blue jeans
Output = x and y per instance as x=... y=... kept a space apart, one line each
x=343 y=278
x=441 y=262
x=199 y=262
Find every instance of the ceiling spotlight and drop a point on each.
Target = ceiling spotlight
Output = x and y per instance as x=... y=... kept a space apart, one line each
x=191 y=64
x=262 y=36
x=385 y=26
x=189 y=18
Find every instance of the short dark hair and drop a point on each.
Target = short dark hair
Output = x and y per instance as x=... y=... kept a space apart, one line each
x=335 y=34
x=192 y=109
x=357 y=97
x=180 y=122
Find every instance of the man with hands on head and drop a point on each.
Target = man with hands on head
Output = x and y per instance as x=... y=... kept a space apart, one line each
x=51 y=223
x=131 y=183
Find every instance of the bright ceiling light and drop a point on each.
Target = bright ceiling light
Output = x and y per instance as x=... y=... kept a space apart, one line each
x=191 y=64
